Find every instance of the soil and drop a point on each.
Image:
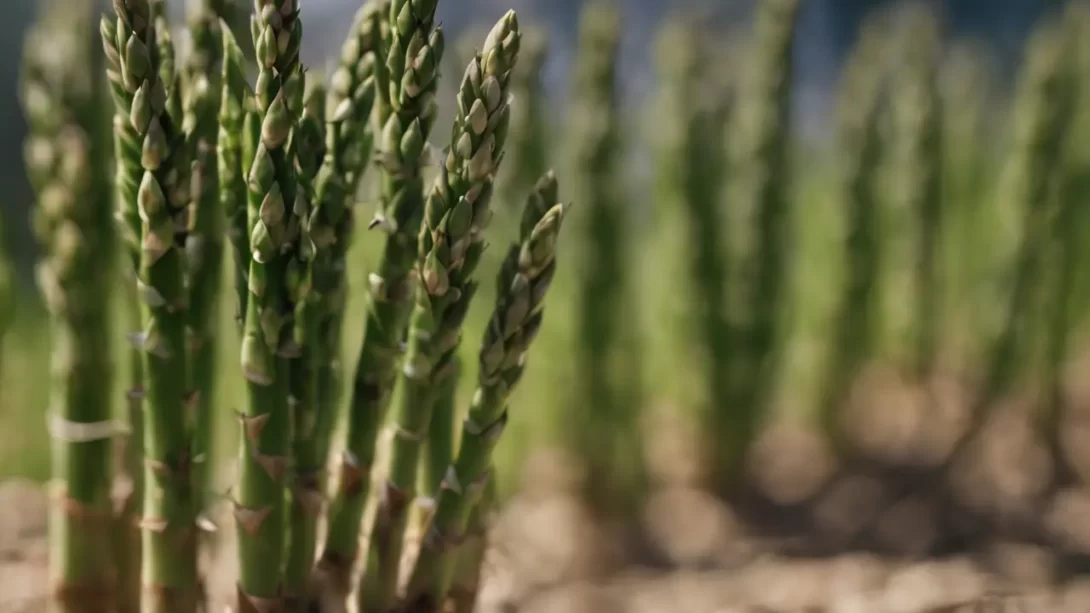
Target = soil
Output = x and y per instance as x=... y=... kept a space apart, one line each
x=911 y=515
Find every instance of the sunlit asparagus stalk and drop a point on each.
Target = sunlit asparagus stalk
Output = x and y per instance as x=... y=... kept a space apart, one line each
x=276 y=213
x=523 y=282
x=529 y=143
x=595 y=134
x=458 y=210
x=760 y=168
x=168 y=523
x=692 y=160
x=130 y=465
x=406 y=84
x=230 y=165
x=918 y=158
x=861 y=154
x=305 y=497
x=1064 y=255
x=61 y=87
x=203 y=74
x=1042 y=113
x=469 y=567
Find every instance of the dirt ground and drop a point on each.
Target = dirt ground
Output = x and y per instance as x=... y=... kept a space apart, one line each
x=692 y=556
x=918 y=518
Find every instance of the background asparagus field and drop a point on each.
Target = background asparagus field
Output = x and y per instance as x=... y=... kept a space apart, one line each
x=798 y=308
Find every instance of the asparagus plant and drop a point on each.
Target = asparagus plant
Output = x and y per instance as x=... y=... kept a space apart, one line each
x=602 y=281
x=306 y=498
x=918 y=162
x=229 y=162
x=450 y=245
x=692 y=158
x=169 y=548
x=760 y=159
x=861 y=155
x=471 y=551
x=529 y=141
x=204 y=243
x=275 y=209
x=405 y=86
x=438 y=448
x=523 y=281
x=61 y=88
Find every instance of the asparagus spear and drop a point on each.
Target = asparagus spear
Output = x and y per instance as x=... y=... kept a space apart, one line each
x=60 y=89
x=760 y=162
x=439 y=443
x=169 y=550
x=275 y=206
x=861 y=155
x=451 y=242
x=306 y=498
x=130 y=481
x=466 y=585
x=204 y=244
x=918 y=165
x=232 y=191
x=523 y=281
x=529 y=140
x=406 y=112
x=692 y=160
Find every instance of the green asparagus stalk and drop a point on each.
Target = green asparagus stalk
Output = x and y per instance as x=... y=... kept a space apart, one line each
x=919 y=163
x=306 y=498
x=275 y=211
x=471 y=552
x=967 y=158
x=861 y=155
x=523 y=281
x=406 y=110
x=595 y=134
x=529 y=143
x=169 y=539
x=760 y=160
x=1042 y=112
x=204 y=244
x=438 y=448
x=168 y=71
x=232 y=181
x=451 y=242
x=128 y=174
x=60 y=89
x=692 y=159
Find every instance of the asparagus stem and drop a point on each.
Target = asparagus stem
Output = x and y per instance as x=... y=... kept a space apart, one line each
x=275 y=212
x=760 y=162
x=471 y=553
x=306 y=497
x=919 y=175
x=692 y=159
x=61 y=88
x=439 y=444
x=406 y=113
x=169 y=539
x=861 y=104
x=602 y=282
x=230 y=164
x=451 y=242
x=523 y=281
x=204 y=245
x=529 y=142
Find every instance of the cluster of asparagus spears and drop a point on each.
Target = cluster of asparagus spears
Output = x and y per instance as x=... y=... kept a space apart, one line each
x=206 y=159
